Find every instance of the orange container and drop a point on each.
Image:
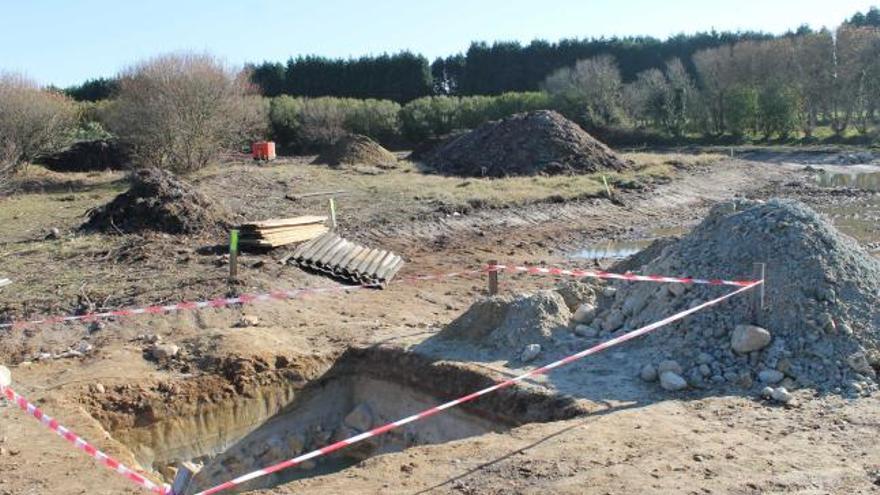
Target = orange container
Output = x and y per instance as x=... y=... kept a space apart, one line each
x=263 y=150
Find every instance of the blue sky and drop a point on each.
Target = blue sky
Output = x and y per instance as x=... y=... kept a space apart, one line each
x=64 y=42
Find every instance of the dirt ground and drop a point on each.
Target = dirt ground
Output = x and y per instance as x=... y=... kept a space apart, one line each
x=231 y=376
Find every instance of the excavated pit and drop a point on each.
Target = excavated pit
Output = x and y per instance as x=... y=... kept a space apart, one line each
x=362 y=389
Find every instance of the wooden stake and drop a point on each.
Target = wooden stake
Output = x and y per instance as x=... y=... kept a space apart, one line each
x=233 y=255
x=332 y=213
x=607 y=188
x=759 y=271
x=493 y=278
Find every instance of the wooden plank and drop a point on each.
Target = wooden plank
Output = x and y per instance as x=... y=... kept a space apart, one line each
x=319 y=229
x=281 y=227
x=284 y=222
x=283 y=240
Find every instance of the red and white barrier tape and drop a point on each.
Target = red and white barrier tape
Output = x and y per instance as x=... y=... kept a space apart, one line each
x=186 y=305
x=467 y=398
x=538 y=270
x=81 y=444
x=294 y=293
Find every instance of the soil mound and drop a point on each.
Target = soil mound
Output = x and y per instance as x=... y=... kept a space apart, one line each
x=84 y=156
x=356 y=150
x=160 y=201
x=542 y=142
x=512 y=321
x=820 y=312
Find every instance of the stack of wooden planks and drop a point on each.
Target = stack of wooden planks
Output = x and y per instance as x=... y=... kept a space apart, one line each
x=282 y=231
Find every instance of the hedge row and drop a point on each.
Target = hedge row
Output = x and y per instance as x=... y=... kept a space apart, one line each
x=306 y=124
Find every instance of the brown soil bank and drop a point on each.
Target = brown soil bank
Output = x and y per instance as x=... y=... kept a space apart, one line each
x=356 y=150
x=160 y=201
x=542 y=142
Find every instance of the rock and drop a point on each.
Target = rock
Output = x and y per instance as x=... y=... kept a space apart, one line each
x=859 y=363
x=248 y=321
x=97 y=326
x=54 y=233
x=676 y=290
x=585 y=331
x=749 y=338
x=164 y=351
x=613 y=321
x=826 y=322
x=584 y=313
x=530 y=352
x=704 y=358
x=296 y=443
x=781 y=395
x=97 y=388
x=5 y=377
x=770 y=376
x=767 y=392
x=648 y=373
x=704 y=370
x=669 y=365
x=672 y=382
x=360 y=418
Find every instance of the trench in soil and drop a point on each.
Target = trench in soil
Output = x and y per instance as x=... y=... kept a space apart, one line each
x=363 y=389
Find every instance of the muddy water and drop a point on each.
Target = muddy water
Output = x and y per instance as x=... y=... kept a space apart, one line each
x=611 y=250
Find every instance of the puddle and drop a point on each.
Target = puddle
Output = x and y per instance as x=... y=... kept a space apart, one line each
x=869 y=181
x=363 y=389
x=611 y=250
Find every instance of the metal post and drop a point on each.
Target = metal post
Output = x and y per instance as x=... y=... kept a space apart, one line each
x=493 y=277
x=758 y=271
x=186 y=471
x=233 y=255
x=332 y=213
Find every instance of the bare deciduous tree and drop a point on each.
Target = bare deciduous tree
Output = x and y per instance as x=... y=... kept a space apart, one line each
x=181 y=111
x=592 y=89
x=33 y=122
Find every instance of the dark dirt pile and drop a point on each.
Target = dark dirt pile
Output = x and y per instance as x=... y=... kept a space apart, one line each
x=84 y=156
x=821 y=301
x=542 y=142
x=356 y=150
x=160 y=201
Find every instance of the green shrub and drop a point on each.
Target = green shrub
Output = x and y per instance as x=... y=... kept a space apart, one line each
x=307 y=124
x=741 y=110
x=435 y=116
x=778 y=111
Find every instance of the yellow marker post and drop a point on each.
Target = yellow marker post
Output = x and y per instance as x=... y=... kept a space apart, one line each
x=332 y=213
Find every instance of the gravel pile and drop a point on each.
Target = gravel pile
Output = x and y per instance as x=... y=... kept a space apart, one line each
x=159 y=201
x=513 y=322
x=542 y=142
x=820 y=328
x=821 y=324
